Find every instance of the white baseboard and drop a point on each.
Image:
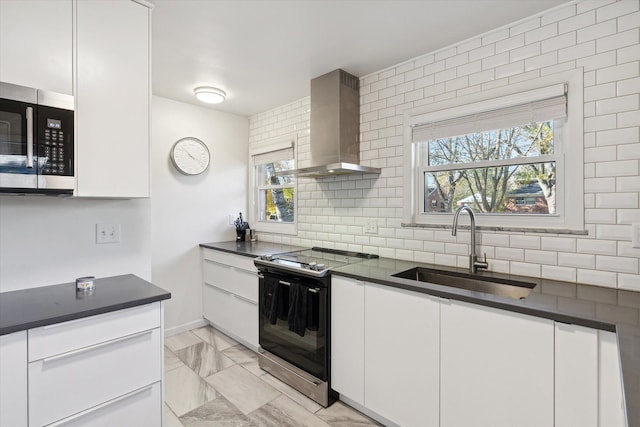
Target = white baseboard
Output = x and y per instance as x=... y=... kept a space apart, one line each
x=368 y=412
x=185 y=327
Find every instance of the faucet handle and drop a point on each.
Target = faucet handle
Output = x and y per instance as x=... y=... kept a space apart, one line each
x=481 y=264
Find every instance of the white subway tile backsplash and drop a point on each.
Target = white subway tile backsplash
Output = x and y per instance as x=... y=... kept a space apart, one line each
x=617 y=168
x=629 y=282
x=577 y=260
x=617 y=264
x=594 y=32
x=616 y=9
x=579 y=21
x=629 y=86
x=617 y=72
x=599 y=36
x=600 y=278
x=597 y=247
x=578 y=51
x=553 y=272
x=618 y=40
x=628 y=54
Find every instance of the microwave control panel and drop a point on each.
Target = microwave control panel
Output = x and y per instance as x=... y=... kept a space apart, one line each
x=55 y=142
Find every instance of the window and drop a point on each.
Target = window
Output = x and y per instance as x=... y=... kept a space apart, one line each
x=513 y=155
x=274 y=192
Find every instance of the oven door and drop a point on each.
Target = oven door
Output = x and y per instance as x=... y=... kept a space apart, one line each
x=18 y=168
x=294 y=321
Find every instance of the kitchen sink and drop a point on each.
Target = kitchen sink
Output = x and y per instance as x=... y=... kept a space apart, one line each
x=491 y=285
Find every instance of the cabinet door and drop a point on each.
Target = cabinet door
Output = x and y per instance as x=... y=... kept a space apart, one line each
x=576 y=376
x=140 y=408
x=496 y=368
x=347 y=337
x=401 y=355
x=610 y=401
x=232 y=314
x=112 y=98
x=13 y=379
x=36 y=44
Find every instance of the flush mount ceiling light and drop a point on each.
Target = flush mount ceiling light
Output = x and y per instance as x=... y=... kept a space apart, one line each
x=210 y=95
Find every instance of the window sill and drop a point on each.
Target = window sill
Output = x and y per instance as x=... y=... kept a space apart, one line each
x=500 y=228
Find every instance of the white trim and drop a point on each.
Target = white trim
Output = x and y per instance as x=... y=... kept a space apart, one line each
x=274 y=144
x=570 y=209
x=184 y=327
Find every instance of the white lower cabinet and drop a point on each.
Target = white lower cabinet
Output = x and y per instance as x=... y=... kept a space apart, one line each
x=101 y=368
x=230 y=295
x=576 y=376
x=402 y=332
x=347 y=338
x=611 y=411
x=13 y=379
x=140 y=408
x=496 y=367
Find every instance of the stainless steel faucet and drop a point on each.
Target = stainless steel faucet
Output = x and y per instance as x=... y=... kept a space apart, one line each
x=474 y=264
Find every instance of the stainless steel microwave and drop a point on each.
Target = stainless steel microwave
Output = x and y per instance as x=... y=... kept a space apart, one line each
x=36 y=141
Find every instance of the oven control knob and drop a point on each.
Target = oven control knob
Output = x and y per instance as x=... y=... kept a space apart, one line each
x=313 y=266
x=267 y=257
x=320 y=267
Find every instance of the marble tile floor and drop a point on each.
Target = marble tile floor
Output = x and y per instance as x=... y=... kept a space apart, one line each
x=211 y=380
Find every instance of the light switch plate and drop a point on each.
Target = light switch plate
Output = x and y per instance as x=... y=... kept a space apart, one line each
x=107 y=233
x=635 y=235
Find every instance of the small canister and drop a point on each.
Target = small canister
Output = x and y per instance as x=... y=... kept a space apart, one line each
x=85 y=284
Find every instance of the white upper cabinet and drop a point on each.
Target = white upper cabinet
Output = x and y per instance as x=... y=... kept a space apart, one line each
x=496 y=368
x=112 y=98
x=36 y=44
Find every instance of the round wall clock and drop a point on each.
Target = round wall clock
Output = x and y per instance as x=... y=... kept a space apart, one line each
x=190 y=156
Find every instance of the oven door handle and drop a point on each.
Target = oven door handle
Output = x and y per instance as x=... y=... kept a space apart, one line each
x=313 y=290
x=29 y=115
x=282 y=282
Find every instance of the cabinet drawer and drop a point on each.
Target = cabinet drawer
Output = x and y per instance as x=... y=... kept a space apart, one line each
x=140 y=408
x=231 y=279
x=237 y=261
x=68 y=383
x=63 y=337
x=232 y=314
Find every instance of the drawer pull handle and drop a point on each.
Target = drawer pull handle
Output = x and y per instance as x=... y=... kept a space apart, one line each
x=93 y=347
x=100 y=406
x=245 y=299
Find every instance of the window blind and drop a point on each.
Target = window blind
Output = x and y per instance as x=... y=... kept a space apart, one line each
x=516 y=115
x=273 y=156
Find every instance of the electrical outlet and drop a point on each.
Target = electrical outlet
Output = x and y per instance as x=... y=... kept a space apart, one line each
x=635 y=235
x=371 y=227
x=107 y=233
x=232 y=217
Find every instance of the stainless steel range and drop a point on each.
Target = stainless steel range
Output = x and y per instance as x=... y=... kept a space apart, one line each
x=295 y=320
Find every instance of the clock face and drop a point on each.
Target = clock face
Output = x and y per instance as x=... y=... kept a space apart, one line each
x=190 y=156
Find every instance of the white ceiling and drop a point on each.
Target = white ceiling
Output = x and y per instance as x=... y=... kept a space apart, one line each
x=263 y=53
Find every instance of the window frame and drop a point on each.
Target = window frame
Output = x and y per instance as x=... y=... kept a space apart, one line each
x=568 y=155
x=276 y=144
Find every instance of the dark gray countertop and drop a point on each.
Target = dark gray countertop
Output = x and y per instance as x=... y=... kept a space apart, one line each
x=34 y=307
x=251 y=249
x=597 y=307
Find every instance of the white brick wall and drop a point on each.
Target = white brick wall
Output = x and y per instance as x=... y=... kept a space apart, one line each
x=602 y=37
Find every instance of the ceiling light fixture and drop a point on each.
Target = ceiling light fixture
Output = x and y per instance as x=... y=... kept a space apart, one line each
x=210 y=95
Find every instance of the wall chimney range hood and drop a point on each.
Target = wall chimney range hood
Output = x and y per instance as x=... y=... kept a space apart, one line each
x=335 y=127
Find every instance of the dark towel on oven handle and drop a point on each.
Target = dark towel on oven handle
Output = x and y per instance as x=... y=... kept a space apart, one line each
x=297 y=308
x=270 y=299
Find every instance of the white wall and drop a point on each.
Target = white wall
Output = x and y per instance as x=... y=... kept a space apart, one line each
x=189 y=210
x=602 y=37
x=50 y=240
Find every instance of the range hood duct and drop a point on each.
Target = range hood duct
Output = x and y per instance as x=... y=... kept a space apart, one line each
x=335 y=127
